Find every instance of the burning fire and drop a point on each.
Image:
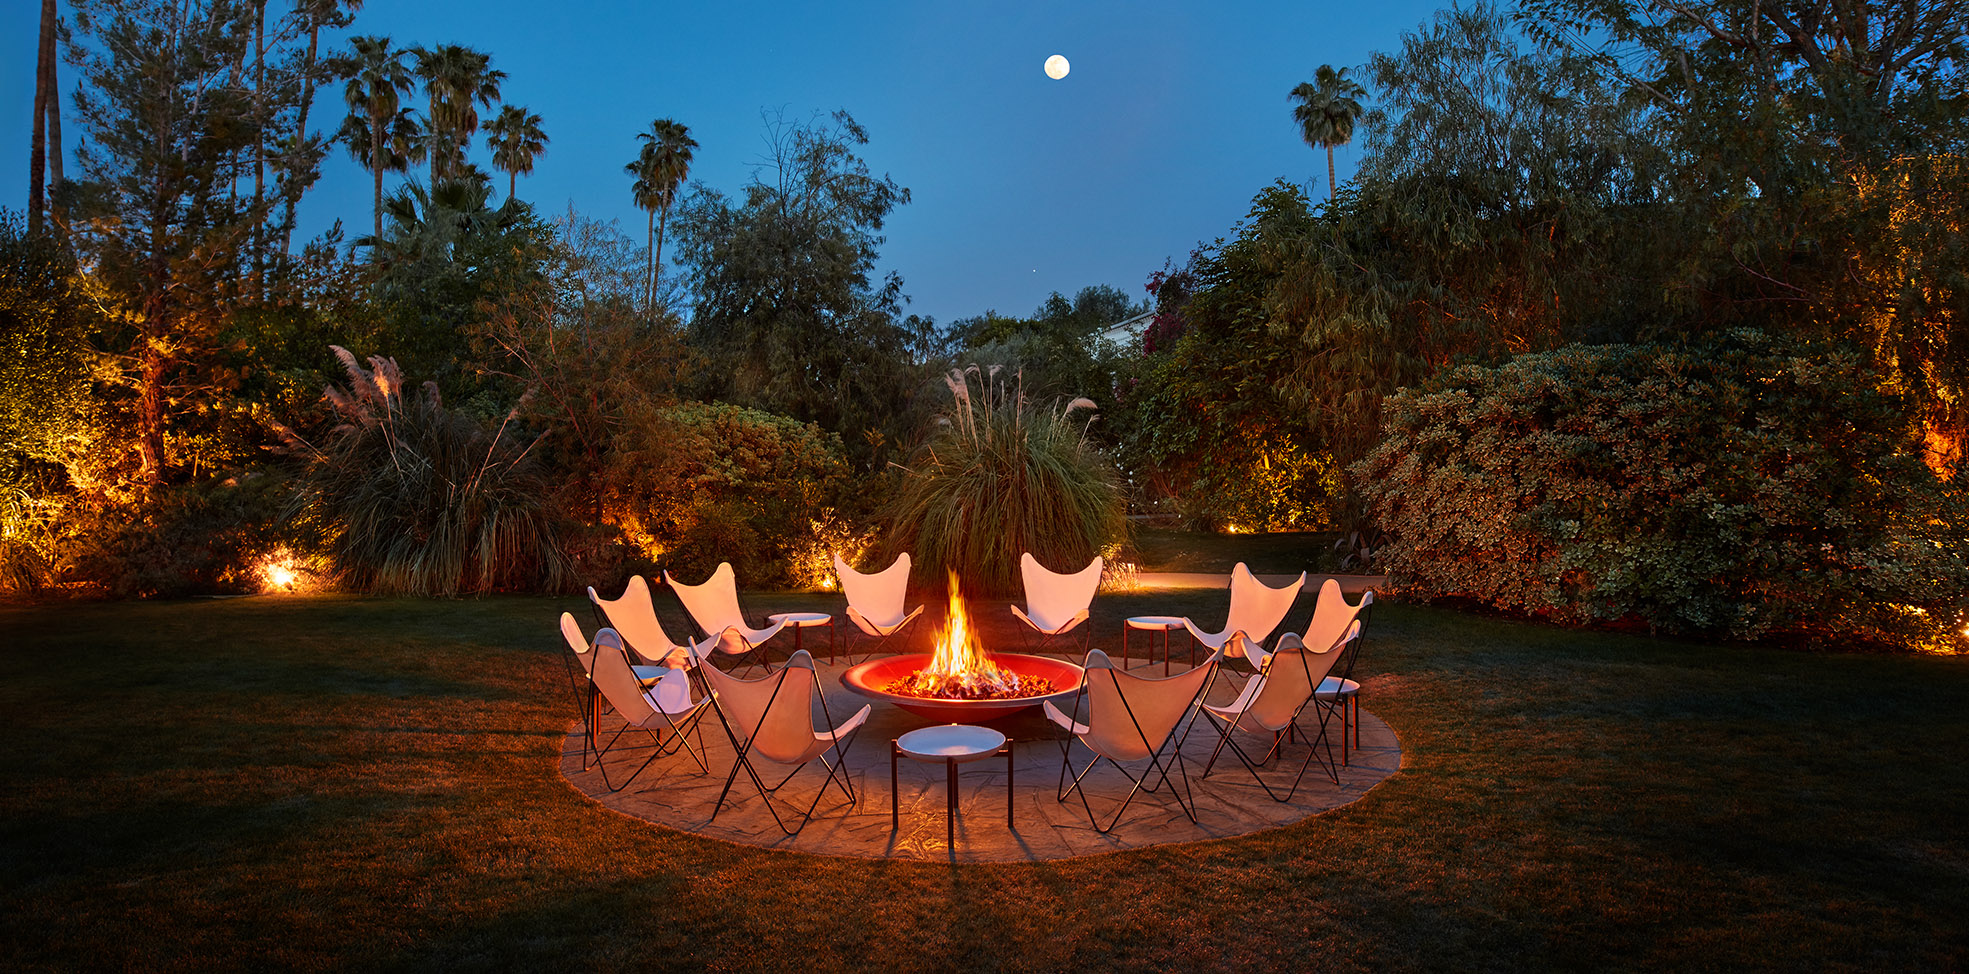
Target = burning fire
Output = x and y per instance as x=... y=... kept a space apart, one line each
x=961 y=670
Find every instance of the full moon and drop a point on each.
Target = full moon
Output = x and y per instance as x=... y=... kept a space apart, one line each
x=1057 y=67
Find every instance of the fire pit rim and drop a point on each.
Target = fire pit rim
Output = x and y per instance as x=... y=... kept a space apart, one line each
x=991 y=708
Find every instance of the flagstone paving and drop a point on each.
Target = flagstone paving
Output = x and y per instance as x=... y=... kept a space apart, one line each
x=673 y=793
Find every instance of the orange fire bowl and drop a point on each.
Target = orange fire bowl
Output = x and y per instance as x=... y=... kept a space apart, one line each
x=869 y=678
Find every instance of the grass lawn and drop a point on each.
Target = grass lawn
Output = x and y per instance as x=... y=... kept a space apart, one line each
x=337 y=782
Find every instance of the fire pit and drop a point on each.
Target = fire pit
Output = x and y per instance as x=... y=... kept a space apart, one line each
x=960 y=682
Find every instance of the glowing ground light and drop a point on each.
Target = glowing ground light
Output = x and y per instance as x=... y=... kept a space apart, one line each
x=1057 y=67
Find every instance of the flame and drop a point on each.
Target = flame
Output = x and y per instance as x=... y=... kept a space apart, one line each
x=959 y=665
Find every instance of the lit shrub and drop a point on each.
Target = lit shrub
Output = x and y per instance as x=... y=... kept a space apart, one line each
x=699 y=483
x=411 y=498
x=1742 y=489
x=197 y=539
x=999 y=477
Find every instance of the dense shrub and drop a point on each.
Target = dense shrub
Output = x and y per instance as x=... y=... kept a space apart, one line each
x=1742 y=488
x=699 y=483
x=413 y=498
x=197 y=539
x=1000 y=477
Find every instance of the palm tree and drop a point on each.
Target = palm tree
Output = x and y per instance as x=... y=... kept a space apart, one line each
x=660 y=168
x=401 y=146
x=377 y=83
x=1326 y=110
x=516 y=140
x=456 y=78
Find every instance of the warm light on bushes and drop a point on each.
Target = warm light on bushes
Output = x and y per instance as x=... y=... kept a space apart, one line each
x=281 y=571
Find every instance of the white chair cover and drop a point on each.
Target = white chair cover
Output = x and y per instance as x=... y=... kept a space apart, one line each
x=1256 y=610
x=773 y=716
x=1131 y=717
x=875 y=601
x=1056 y=603
x=633 y=617
x=713 y=605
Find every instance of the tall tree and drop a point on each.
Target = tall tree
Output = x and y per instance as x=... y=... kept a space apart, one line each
x=660 y=168
x=457 y=79
x=45 y=93
x=1326 y=109
x=164 y=232
x=787 y=306
x=516 y=140
x=315 y=15
x=378 y=80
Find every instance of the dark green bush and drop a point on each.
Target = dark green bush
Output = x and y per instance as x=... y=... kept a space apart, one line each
x=999 y=477
x=1744 y=488
x=198 y=539
x=416 y=499
x=699 y=483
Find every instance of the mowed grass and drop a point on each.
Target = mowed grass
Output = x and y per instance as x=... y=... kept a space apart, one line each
x=349 y=783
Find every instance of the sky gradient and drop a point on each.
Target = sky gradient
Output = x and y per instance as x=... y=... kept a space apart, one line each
x=1173 y=117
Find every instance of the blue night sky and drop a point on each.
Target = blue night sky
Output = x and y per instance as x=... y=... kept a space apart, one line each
x=1174 y=115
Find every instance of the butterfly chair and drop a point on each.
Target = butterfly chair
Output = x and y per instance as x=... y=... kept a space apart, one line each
x=1256 y=610
x=1339 y=689
x=875 y=601
x=772 y=718
x=1130 y=719
x=650 y=708
x=713 y=605
x=586 y=700
x=633 y=617
x=591 y=704
x=1056 y=603
x=1272 y=701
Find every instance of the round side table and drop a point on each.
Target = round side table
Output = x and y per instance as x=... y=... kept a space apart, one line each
x=801 y=620
x=1162 y=624
x=953 y=744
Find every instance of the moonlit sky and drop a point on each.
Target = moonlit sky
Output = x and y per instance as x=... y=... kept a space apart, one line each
x=1174 y=116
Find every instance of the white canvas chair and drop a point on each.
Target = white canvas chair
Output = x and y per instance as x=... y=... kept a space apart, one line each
x=772 y=718
x=633 y=617
x=1256 y=610
x=1131 y=719
x=1056 y=603
x=590 y=703
x=875 y=601
x=651 y=708
x=713 y=605
x=1339 y=689
x=1271 y=702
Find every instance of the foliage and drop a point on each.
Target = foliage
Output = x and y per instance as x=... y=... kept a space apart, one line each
x=786 y=313
x=1745 y=488
x=444 y=253
x=1058 y=351
x=43 y=343
x=696 y=484
x=204 y=538
x=1817 y=184
x=1201 y=419
x=1326 y=109
x=516 y=140
x=999 y=477
x=413 y=498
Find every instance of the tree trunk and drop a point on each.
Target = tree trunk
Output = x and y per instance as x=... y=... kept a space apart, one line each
x=656 y=259
x=376 y=168
x=512 y=181
x=54 y=148
x=259 y=151
x=300 y=132
x=1331 y=183
x=649 y=295
x=37 y=155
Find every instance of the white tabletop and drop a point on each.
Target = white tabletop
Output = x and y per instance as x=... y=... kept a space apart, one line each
x=798 y=619
x=964 y=742
x=1155 y=622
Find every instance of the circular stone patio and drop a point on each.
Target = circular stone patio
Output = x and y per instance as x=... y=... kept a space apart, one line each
x=673 y=793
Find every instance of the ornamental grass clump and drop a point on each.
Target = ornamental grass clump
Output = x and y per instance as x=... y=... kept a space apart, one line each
x=999 y=477
x=412 y=498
